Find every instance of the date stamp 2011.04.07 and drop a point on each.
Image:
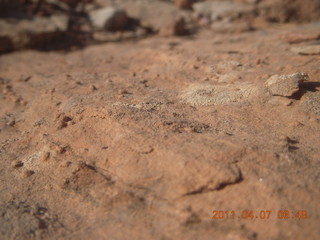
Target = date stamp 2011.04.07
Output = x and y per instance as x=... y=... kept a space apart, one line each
x=260 y=214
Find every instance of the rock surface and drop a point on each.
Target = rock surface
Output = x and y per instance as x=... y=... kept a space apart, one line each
x=312 y=102
x=175 y=28
x=185 y=4
x=300 y=36
x=31 y=33
x=222 y=10
x=307 y=50
x=155 y=15
x=204 y=95
x=285 y=85
x=146 y=139
x=111 y=19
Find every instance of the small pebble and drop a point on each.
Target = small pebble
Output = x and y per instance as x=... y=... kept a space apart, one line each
x=11 y=122
x=60 y=149
x=17 y=164
x=122 y=91
x=44 y=156
x=29 y=173
x=65 y=164
x=93 y=87
x=284 y=139
x=25 y=78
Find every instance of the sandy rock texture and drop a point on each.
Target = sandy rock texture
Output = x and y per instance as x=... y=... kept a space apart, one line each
x=307 y=50
x=286 y=85
x=145 y=139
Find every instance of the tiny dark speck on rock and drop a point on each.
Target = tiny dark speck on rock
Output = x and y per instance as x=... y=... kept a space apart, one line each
x=29 y=173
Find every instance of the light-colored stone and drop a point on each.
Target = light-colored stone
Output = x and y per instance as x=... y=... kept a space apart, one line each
x=229 y=78
x=299 y=36
x=279 y=101
x=111 y=19
x=307 y=50
x=222 y=10
x=155 y=14
x=231 y=27
x=285 y=85
x=206 y=94
x=227 y=66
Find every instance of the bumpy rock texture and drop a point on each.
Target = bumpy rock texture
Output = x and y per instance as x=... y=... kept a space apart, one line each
x=286 y=85
x=145 y=139
x=307 y=50
x=204 y=95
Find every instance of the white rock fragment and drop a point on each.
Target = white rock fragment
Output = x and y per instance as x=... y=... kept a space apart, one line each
x=111 y=19
x=285 y=85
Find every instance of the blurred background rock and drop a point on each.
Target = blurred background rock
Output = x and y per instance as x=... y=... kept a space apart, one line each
x=70 y=24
